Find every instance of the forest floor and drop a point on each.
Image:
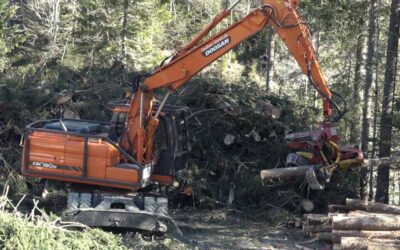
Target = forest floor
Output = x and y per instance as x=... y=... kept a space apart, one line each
x=215 y=229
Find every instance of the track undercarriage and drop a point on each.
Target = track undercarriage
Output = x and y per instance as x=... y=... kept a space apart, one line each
x=121 y=211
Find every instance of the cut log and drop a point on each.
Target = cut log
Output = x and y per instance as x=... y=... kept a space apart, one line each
x=225 y=103
x=382 y=161
x=325 y=237
x=338 y=209
x=378 y=222
x=368 y=244
x=229 y=139
x=374 y=207
x=307 y=205
x=313 y=229
x=361 y=213
x=301 y=170
x=316 y=219
x=268 y=109
x=331 y=215
x=270 y=174
x=338 y=234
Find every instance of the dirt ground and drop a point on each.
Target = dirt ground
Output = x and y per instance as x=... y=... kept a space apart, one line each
x=217 y=230
x=222 y=229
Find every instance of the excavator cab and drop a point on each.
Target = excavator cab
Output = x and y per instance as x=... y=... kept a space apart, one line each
x=171 y=139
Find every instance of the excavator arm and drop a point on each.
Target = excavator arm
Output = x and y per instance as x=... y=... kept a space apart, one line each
x=141 y=123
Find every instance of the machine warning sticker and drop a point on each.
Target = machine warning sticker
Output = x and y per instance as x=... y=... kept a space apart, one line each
x=146 y=172
x=216 y=45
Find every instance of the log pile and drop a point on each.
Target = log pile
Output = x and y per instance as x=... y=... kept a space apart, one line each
x=357 y=225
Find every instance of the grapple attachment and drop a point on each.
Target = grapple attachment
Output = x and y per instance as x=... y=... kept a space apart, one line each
x=321 y=147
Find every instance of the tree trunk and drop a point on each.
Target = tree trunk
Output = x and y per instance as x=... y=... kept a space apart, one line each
x=376 y=109
x=124 y=31
x=269 y=73
x=368 y=83
x=368 y=78
x=376 y=90
x=385 y=142
x=354 y=123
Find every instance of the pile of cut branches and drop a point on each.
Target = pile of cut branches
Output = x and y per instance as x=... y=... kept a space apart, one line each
x=236 y=130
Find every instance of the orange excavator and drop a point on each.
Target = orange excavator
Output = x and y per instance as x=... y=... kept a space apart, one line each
x=118 y=171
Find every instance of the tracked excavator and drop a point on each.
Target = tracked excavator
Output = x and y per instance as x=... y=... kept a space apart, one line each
x=118 y=171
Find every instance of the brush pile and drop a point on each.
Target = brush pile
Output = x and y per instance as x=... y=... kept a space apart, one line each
x=357 y=225
x=235 y=130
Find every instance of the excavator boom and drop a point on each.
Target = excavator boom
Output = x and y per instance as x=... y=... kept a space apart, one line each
x=192 y=58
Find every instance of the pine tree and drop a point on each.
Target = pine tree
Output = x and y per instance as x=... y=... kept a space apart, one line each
x=385 y=142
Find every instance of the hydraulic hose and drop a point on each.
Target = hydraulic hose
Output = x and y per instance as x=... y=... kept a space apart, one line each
x=341 y=112
x=275 y=19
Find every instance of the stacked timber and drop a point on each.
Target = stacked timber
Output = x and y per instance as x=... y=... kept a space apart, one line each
x=357 y=225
